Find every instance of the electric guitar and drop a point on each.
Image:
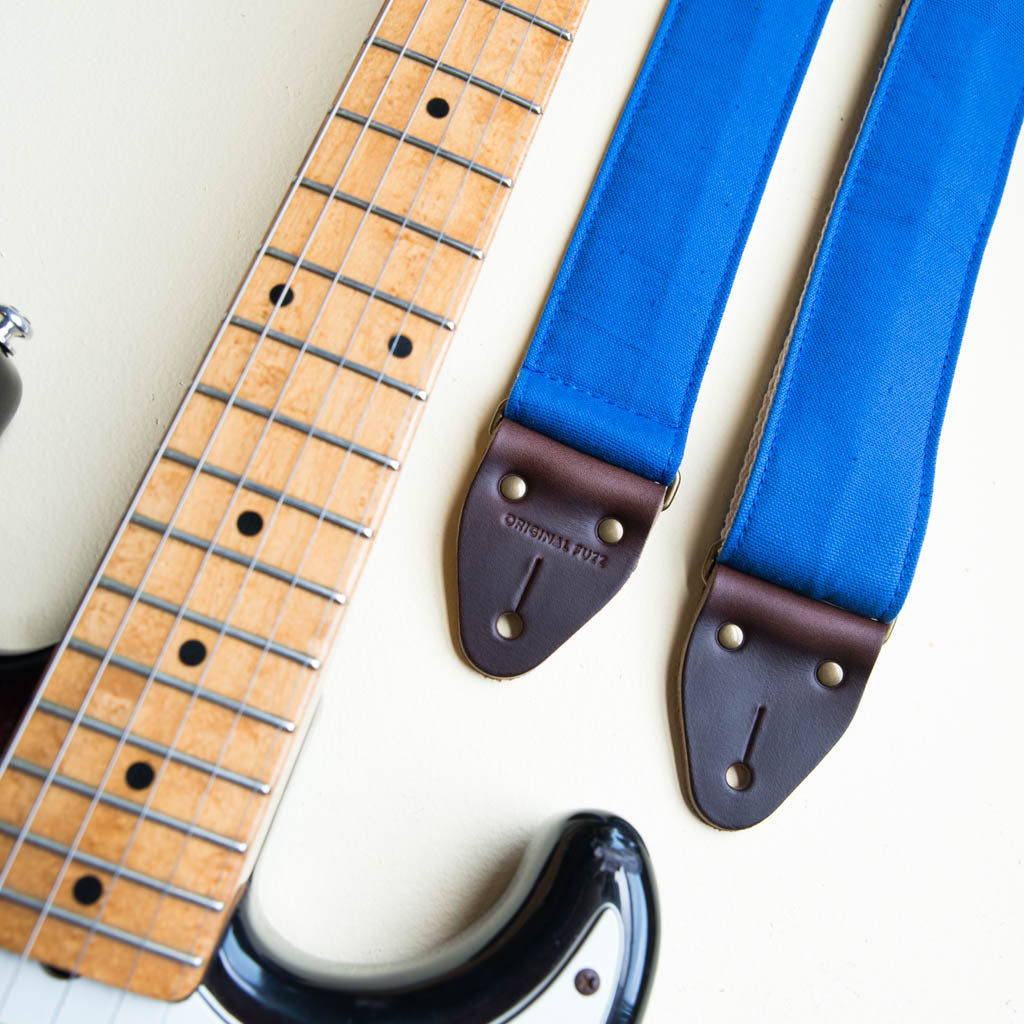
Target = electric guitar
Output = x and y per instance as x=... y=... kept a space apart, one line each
x=144 y=756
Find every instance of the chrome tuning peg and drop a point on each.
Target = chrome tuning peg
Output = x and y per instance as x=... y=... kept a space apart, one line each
x=13 y=324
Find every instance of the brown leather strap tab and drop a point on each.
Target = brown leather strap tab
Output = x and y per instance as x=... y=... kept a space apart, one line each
x=770 y=681
x=532 y=560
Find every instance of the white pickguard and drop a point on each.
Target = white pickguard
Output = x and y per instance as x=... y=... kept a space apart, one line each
x=132 y=197
x=38 y=998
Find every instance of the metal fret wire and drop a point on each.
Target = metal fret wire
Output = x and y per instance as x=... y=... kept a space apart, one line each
x=543 y=79
x=400 y=438
x=456 y=197
x=5 y=763
x=206 y=556
x=438 y=330
x=407 y=314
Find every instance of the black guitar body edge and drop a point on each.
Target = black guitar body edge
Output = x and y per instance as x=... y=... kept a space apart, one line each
x=575 y=873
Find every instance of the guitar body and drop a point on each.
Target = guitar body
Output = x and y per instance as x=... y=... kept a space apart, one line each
x=143 y=757
x=573 y=939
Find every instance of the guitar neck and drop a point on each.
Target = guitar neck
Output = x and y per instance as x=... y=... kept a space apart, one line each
x=134 y=795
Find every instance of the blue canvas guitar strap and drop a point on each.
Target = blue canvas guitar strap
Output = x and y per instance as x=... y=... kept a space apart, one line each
x=594 y=429
x=823 y=536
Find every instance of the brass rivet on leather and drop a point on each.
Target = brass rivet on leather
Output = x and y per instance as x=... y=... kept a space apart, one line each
x=730 y=636
x=610 y=530
x=830 y=673
x=513 y=487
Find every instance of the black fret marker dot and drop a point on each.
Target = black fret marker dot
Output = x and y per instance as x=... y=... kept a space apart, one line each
x=140 y=775
x=278 y=291
x=192 y=652
x=438 y=107
x=250 y=523
x=88 y=889
x=400 y=346
x=58 y=972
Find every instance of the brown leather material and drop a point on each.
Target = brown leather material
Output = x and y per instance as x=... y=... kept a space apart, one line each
x=762 y=706
x=541 y=557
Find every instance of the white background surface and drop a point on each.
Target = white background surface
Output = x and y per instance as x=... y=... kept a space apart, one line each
x=145 y=149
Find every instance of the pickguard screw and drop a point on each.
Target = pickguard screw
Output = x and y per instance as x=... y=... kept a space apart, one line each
x=588 y=981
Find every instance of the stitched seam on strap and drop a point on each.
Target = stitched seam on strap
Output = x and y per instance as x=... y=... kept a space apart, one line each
x=952 y=346
x=598 y=396
x=753 y=202
x=824 y=256
x=590 y=210
x=764 y=410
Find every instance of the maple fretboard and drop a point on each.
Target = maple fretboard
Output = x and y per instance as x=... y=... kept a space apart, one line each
x=133 y=796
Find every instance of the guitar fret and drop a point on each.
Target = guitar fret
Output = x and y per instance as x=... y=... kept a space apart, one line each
x=331 y=357
x=395 y=218
x=465 y=206
x=364 y=289
x=120 y=870
x=464 y=76
x=268 y=492
x=97 y=725
x=306 y=660
x=481 y=38
x=518 y=12
x=294 y=424
x=100 y=928
x=136 y=668
x=253 y=519
x=130 y=806
x=429 y=147
x=239 y=559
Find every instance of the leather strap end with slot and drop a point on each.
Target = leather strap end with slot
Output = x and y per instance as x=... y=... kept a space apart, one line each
x=538 y=558
x=756 y=716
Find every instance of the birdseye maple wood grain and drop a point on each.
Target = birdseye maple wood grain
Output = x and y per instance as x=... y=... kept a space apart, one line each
x=304 y=410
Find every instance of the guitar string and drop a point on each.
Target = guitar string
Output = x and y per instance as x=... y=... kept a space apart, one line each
x=463 y=276
x=355 y=332
x=174 y=744
x=542 y=80
x=494 y=195
x=30 y=712
x=4 y=763
x=185 y=603
x=431 y=363
x=270 y=754
x=127 y=728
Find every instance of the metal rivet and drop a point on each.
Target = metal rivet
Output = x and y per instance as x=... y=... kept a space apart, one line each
x=730 y=636
x=830 y=673
x=610 y=530
x=499 y=415
x=513 y=487
x=588 y=981
x=670 y=493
